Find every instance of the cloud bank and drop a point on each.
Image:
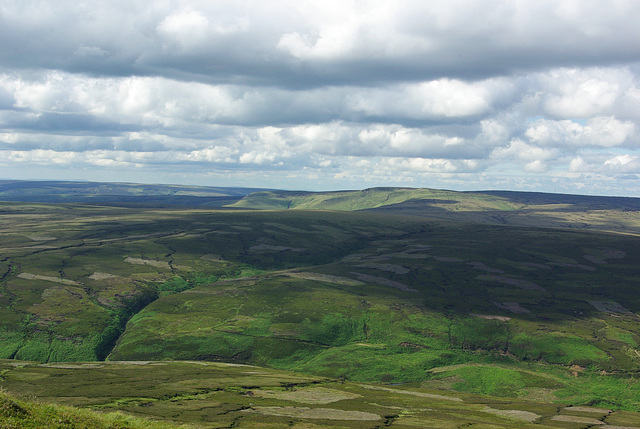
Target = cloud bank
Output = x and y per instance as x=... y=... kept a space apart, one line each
x=541 y=96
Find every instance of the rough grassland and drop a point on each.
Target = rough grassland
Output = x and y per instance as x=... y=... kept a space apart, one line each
x=21 y=414
x=491 y=207
x=518 y=313
x=218 y=395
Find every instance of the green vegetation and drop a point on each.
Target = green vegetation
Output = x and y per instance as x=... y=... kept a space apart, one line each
x=527 y=314
x=21 y=414
x=370 y=199
x=490 y=207
x=211 y=394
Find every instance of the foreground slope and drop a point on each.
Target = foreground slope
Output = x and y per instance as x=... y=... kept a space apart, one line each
x=27 y=414
x=220 y=395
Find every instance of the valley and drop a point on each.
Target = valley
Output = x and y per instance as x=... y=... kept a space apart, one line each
x=375 y=314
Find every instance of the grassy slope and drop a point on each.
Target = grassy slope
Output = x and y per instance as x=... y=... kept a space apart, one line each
x=367 y=199
x=224 y=395
x=472 y=295
x=70 y=276
x=22 y=414
x=319 y=297
x=500 y=208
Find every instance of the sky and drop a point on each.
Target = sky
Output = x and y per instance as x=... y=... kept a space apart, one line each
x=322 y=95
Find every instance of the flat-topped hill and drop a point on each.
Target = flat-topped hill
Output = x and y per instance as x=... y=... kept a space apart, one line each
x=619 y=214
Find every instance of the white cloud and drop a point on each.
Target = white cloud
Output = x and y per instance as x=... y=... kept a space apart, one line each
x=533 y=157
x=354 y=92
x=624 y=163
x=598 y=131
x=442 y=98
x=606 y=164
x=584 y=93
x=584 y=99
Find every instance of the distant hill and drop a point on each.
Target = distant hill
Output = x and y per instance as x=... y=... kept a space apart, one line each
x=119 y=193
x=373 y=198
x=614 y=214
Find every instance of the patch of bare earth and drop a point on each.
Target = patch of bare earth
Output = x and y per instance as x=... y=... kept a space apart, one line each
x=590 y=410
x=241 y=228
x=526 y=416
x=355 y=257
x=71 y=366
x=102 y=276
x=267 y=247
x=28 y=276
x=314 y=413
x=490 y=317
x=511 y=306
x=446 y=259
x=289 y=228
x=621 y=427
x=421 y=246
x=391 y=268
x=383 y=281
x=56 y=291
x=522 y=284
x=533 y=265
x=580 y=266
x=311 y=395
x=327 y=278
x=411 y=409
x=600 y=257
x=211 y=257
x=150 y=262
x=577 y=419
x=609 y=307
x=407 y=255
x=413 y=393
x=482 y=267
x=40 y=238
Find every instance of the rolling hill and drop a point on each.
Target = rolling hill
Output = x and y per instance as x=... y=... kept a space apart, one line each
x=119 y=193
x=616 y=214
x=354 y=289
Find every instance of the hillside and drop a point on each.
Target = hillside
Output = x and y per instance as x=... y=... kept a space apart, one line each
x=616 y=214
x=28 y=414
x=439 y=298
x=219 y=395
x=119 y=193
x=363 y=296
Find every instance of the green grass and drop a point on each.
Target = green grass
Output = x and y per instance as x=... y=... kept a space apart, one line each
x=20 y=414
x=501 y=208
x=576 y=385
x=355 y=295
x=203 y=394
x=368 y=199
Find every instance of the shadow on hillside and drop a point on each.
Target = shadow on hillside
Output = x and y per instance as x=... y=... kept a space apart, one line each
x=621 y=218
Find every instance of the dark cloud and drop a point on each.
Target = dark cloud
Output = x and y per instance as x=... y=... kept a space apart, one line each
x=459 y=93
x=264 y=45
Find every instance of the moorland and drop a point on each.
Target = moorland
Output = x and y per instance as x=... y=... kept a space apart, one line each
x=383 y=307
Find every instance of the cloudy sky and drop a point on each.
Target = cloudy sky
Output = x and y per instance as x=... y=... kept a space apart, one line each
x=488 y=94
